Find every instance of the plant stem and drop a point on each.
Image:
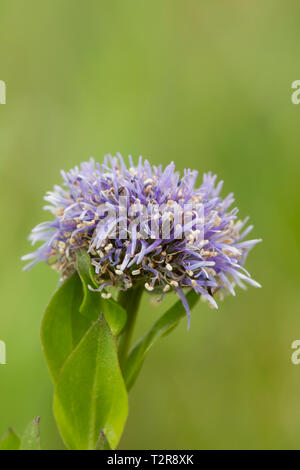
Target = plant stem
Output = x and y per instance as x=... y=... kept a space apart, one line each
x=130 y=301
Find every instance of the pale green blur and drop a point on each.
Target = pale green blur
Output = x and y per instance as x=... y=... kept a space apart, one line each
x=208 y=85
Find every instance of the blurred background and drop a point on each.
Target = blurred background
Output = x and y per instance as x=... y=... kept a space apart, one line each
x=208 y=85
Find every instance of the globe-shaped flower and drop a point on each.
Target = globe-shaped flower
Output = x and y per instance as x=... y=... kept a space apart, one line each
x=145 y=225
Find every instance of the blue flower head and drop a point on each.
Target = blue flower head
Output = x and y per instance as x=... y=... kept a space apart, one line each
x=148 y=225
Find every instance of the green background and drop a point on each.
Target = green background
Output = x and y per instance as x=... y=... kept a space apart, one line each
x=208 y=85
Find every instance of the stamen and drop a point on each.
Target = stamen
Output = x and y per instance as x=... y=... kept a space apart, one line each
x=105 y=295
x=136 y=272
x=148 y=287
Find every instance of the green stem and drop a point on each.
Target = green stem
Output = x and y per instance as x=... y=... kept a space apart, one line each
x=130 y=301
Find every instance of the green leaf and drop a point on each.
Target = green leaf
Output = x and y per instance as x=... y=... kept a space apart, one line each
x=163 y=326
x=102 y=443
x=85 y=271
x=93 y=303
x=90 y=393
x=31 y=437
x=63 y=325
x=10 y=441
x=115 y=315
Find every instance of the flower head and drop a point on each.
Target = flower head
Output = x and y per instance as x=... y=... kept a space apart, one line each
x=145 y=224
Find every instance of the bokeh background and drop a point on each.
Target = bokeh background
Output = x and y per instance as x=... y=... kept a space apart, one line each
x=208 y=85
